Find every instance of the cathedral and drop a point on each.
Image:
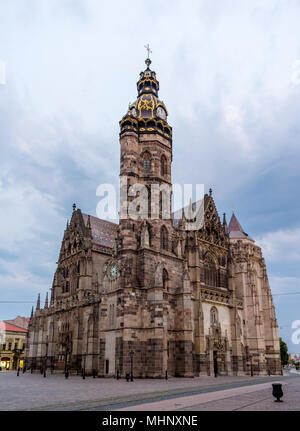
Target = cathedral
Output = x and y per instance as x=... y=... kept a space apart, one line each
x=151 y=296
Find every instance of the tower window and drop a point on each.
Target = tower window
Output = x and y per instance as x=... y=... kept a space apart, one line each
x=163 y=166
x=164 y=238
x=147 y=163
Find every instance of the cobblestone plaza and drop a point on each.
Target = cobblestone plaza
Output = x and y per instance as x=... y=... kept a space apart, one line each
x=55 y=393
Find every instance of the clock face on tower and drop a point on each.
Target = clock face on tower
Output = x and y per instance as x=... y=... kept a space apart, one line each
x=161 y=113
x=113 y=272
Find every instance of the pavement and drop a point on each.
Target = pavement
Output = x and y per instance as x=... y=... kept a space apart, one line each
x=55 y=393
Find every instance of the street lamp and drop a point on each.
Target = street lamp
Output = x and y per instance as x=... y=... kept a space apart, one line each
x=66 y=367
x=84 y=360
x=131 y=365
x=46 y=358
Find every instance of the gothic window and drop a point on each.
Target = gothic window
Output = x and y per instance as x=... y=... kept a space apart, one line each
x=147 y=163
x=165 y=279
x=67 y=286
x=210 y=273
x=149 y=201
x=213 y=315
x=163 y=166
x=164 y=238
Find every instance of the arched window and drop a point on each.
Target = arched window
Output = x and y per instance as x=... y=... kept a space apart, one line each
x=147 y=163
x=213 y=315
x=165 y=278
x=163 y=166
x=210 y=272
x=164 y=238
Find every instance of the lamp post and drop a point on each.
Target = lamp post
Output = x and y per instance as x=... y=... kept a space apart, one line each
x=66 y=367
x=45 y=366
x=131 y=365
x=46 y=358
x=84 y=360
x=251 y=365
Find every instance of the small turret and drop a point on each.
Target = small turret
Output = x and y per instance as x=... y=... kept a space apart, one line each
x=225 y=223
x=38 y=304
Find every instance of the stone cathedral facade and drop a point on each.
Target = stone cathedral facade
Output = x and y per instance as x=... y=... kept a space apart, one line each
x=149 y=292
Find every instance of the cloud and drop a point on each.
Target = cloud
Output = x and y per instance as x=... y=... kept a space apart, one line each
x=225 y=72
x=281 y=246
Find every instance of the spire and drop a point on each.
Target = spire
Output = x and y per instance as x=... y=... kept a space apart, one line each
x=89 y=222
x=235 y=229
x=225 y=223
x=210 y=192
x=31 y=315
x=74 y=207
x=148 y=83
x=38 y=304
x=52 y=297
x=46 y=301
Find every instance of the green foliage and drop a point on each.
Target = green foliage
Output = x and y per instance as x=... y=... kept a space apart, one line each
x=283 y=352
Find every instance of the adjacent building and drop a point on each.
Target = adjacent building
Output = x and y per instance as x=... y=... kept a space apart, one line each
x=12 y=343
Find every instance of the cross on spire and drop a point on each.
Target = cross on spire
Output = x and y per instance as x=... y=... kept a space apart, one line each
x=148 y=49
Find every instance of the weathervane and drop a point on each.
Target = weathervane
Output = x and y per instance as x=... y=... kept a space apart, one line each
x=148 y=49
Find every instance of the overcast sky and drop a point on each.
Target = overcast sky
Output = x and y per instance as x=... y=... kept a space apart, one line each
x=230 y=79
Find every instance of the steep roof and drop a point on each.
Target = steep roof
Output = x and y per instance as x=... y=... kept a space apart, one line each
x=235 y=229
x=19 y=321
x=8 y=327
x=103 y=231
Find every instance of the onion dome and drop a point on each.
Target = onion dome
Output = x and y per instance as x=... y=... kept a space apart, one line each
x=147 y=114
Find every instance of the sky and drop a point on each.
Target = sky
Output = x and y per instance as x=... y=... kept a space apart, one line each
x=229 y=74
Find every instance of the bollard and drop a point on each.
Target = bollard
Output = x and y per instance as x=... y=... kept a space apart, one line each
x=67 y=374
x=166 y=374
x=277 y=392
x=127 y=377
x=18 y=373
x=94 y=374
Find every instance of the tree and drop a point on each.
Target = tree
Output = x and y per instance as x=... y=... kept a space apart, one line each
x=283 y=352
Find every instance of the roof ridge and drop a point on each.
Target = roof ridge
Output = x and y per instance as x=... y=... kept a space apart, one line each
x=98 y=218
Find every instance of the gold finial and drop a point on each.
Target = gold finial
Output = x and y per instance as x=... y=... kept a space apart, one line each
x=233 y=208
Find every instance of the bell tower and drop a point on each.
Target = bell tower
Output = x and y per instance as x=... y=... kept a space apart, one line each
x=145 y=164
x=150 y=271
